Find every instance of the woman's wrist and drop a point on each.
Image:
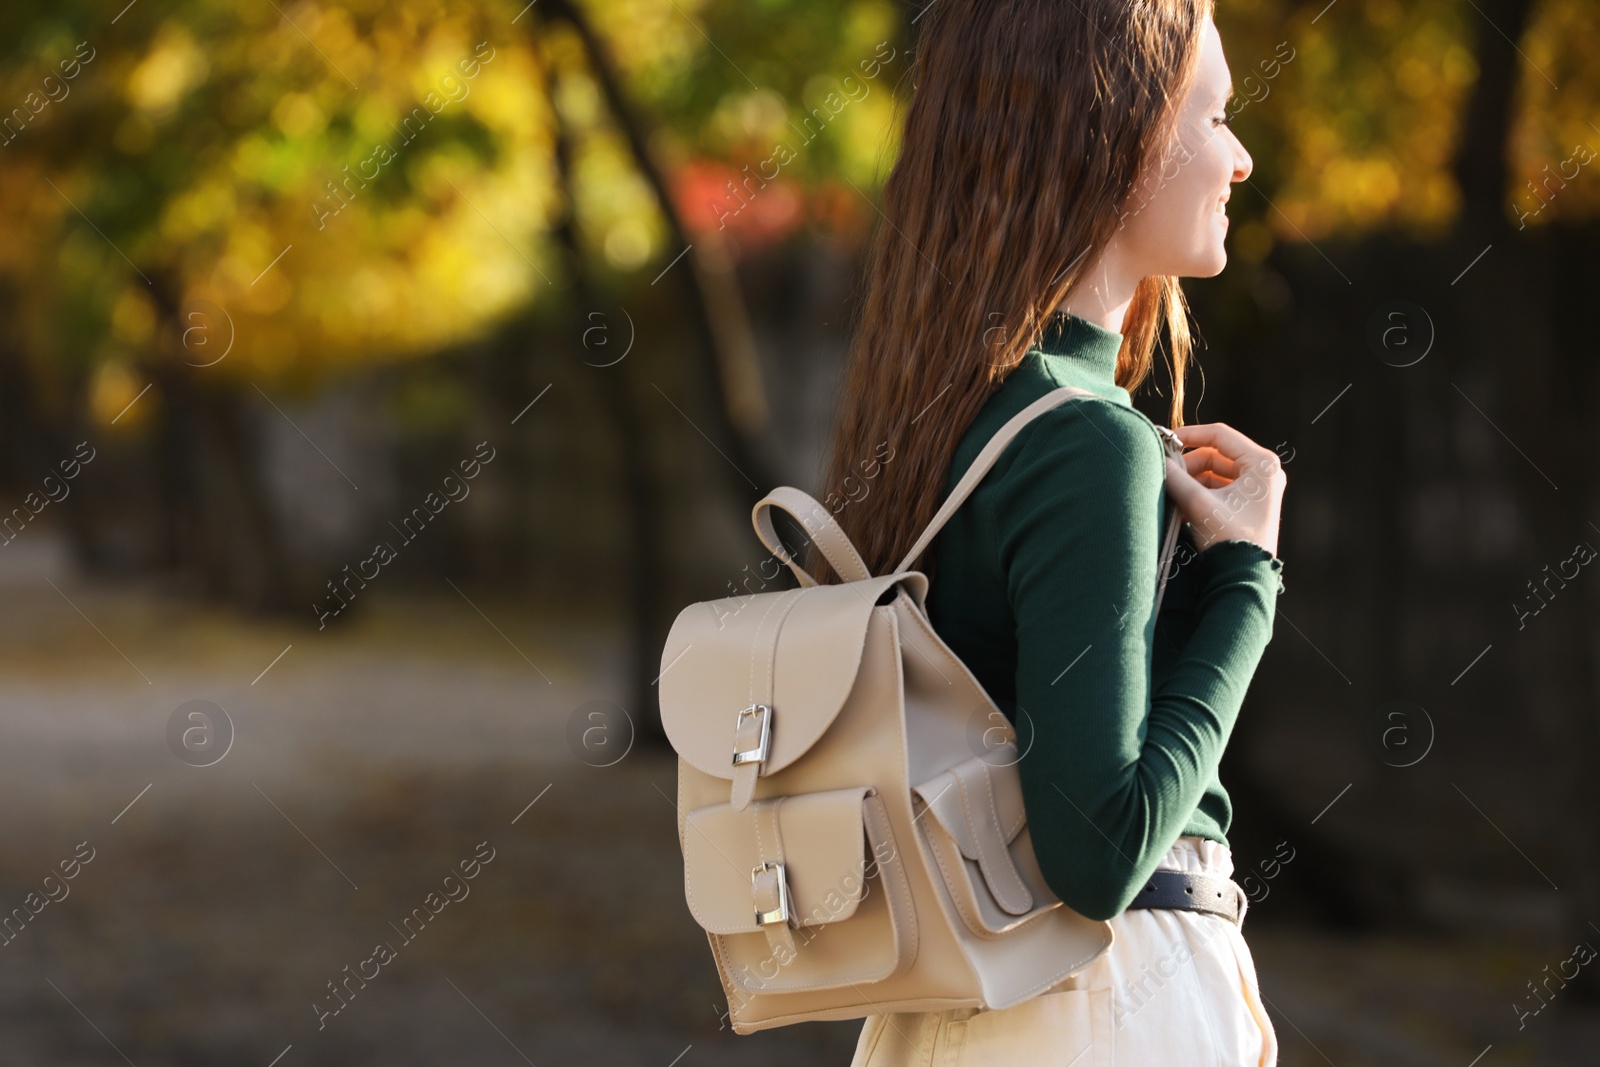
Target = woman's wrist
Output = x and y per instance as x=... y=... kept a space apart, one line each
x=1222 y=541
x=1229 y=555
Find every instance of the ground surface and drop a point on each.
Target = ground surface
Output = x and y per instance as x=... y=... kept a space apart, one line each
x=373 y=758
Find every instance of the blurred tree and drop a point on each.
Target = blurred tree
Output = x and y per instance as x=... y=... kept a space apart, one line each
x=317 y=189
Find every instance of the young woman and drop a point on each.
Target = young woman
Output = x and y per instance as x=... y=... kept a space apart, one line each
x=1063 y=163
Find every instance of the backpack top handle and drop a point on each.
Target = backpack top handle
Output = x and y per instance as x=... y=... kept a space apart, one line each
x=820 y=526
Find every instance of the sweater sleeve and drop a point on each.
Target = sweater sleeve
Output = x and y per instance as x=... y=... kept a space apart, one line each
x=1114 y=770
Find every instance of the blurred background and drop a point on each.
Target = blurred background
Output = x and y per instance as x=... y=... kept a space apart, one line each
x=378 y=381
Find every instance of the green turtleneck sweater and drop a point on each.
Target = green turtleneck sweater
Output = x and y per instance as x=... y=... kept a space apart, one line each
x=1044 y=583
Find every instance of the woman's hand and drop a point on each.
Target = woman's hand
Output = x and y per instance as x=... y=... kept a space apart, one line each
x=1227 y=486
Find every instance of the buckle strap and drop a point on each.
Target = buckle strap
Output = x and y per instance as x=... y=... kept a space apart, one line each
x=769 y=887
x=1187 y=891
x=752 y=743
x=752 y=725
x=989 y=838
x=892 y=879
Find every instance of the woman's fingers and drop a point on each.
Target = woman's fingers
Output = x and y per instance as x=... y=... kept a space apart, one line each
x=1218 y=457
x=1203 y=469
x=1206 y=458
x=1228 y=453
x=1220 y=436
x=1188 y=491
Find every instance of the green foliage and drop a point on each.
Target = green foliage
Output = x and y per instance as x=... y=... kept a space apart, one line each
x=259 y=158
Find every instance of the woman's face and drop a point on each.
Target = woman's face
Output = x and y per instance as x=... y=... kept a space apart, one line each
x=1173 y=221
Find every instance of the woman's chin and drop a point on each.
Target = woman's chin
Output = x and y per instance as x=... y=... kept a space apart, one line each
x=1207 y=264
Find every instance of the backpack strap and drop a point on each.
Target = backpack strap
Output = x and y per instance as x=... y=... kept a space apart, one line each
x=820 y=526
x=1173 y=522
x=990 y=454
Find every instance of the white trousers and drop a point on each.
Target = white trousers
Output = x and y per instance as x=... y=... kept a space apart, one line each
x=1176 y=987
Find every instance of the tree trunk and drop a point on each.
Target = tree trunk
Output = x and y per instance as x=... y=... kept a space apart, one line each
x=1481 y=166
x=217 y=513
x=642 y=557
x=739 y=419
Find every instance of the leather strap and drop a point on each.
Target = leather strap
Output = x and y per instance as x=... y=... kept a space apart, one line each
x=990 y=454
x=1174 y=447
x=987 y=458
x=765 y=889
x=989 y=837
x=836 y=547
x=747 y=726
x=820 y=526
x=1186 y=891
x=1167 y=549
x=892 y=878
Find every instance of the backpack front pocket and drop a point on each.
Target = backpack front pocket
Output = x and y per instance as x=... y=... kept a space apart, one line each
x=801 y=892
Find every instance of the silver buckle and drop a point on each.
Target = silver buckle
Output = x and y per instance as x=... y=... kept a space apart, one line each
x=781 y=913
x=1172 y=442
x=764 y=741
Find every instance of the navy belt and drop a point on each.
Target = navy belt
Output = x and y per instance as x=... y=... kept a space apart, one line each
x=1184 y=891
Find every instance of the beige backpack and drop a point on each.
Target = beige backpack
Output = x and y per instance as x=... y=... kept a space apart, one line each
x=849 y=807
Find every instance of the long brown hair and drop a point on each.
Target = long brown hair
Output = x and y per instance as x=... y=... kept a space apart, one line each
x=1029 y=125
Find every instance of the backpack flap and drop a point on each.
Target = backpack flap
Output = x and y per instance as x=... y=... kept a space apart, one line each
x=749 y=684
x=784 y=886
x=976 y=829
